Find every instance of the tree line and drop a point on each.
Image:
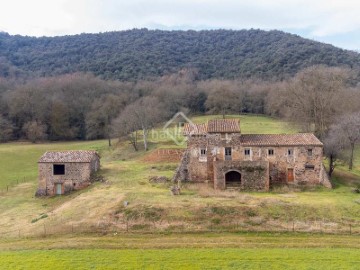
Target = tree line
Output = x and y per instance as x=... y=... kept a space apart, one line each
x=81 y=106
x=319 y=99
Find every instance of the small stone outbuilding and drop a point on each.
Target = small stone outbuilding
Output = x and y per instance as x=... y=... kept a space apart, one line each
x=217 y=152
x=60 y=172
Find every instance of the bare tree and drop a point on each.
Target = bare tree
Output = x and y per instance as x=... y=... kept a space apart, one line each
x=35 y=131
x=99 y=118
x=314 y=98
x=126 y=125
x=333 y=148
x=148 y=111
x=6 y=129
x=177 y=91
x=59 y=121
x=348 y=126
x=143 y=114
x=225 y=97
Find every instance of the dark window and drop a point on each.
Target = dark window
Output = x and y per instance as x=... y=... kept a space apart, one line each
x=309 y=167
x=309 y=152
x=247 y=152
x=227 y=153
x=271 y=152
x=203 y=152
x=59 y=169
x=290 y=152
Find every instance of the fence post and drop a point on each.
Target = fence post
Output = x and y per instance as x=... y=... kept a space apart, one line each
x=321 y=227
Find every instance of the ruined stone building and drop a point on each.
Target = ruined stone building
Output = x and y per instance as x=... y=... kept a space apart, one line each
x=217 y=152
x=63 y=171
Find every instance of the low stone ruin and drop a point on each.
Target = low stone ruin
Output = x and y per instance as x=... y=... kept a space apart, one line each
x=181 y=173
x=158 y=179
x=175 y=190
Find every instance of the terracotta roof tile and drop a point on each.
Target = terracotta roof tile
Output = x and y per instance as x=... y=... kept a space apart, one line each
x=223 y=126
x=77 y=156
x=280 y=139
x=195 y=129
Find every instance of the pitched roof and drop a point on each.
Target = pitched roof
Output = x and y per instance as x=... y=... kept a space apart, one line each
x=77 y=156
x=280 y=139
x=212 y=126
x=223 y=126
x=195 y=129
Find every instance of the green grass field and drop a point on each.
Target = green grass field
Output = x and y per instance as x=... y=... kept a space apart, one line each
x=254 y=124
x=185 y=251
x=74 y=224
x=189 y=258
x=19 y=160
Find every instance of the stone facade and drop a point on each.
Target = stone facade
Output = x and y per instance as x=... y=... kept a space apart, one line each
x=251 y=162
x=63 y=172
x=253 y=174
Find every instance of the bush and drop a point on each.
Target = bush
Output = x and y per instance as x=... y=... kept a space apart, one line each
x=39 y=218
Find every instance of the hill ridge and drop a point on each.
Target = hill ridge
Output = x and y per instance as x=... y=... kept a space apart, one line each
x=142 y=54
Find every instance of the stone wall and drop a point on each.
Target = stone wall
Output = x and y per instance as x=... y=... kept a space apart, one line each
x=281 y=161
x=77 y=176
x=198 y=166
x=307 y=169
x=325 y=180
x=95 y=165
x=181 y=173
x=254 y=174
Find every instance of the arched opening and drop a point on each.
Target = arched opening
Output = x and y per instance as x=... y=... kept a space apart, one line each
x=233 y=179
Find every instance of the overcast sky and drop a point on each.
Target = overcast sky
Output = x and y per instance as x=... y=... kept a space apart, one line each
x=331 y=21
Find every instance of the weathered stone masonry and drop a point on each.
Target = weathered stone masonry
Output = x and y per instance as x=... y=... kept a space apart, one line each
x=76 y=168
x=254 y=175
x=219 y=153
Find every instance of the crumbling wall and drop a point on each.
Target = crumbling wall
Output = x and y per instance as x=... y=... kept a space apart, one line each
x=181 y=172
x=325 y=180
x=296 y=169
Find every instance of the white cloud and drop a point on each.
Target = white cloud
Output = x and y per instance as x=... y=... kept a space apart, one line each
x=58 y=17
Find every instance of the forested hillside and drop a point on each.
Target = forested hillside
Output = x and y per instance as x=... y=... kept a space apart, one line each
x=142 y=54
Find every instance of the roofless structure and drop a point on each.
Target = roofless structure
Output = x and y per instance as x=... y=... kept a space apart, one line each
x=217 y=152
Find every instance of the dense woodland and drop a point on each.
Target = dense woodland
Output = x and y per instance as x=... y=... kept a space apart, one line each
x=138 y=79
x=142 y=54
x=82 y=106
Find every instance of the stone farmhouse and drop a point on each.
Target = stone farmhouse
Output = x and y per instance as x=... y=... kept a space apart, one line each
x=63 y=171
x=218 y=153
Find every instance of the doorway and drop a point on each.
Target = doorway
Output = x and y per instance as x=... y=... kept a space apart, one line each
x=233 y=179
x=290 y=175
x=58 y=189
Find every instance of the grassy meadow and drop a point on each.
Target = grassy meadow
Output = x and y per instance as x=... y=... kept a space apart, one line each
x=19 y=160
x=185 y=258
x=185 y=251
x=220 y=229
